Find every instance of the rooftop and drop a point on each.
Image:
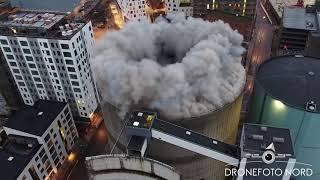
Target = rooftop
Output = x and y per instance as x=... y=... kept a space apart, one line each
x=14 y=155
x=282 y=77
x=298 y=18
x=278 y=5
x=141 y=119
x=257 y=138
x=35 y=119
x=47 y=24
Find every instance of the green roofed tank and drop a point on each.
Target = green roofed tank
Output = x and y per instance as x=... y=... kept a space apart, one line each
x=287 y=94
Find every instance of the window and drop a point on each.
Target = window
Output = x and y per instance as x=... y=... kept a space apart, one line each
x=13 y=64
x=39 y=85
x=26 y=51
x=50 y=60
x=4 y=42
x=73 y=76
x=10 y=56
x=21 y=84
x=37 y=79
x=34 y=73
x=76 y=89
x=32 y=65
x=75 y=83
x=66 y=54
x=41 y=153
x=29 y=58
x=75 y=52
x=23 y=43
x=59 y=53
x=18 y=77
x=15 y=70
x=69 y=62
x=64 y=46
x=71 y=69
x=45 y=45
x=48 y=52
x=6 y=49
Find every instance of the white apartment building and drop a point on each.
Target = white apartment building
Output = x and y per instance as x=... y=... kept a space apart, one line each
x=48 y=57
x=38 y=141
x=136 y=9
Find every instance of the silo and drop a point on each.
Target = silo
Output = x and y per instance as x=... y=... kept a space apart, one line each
x=187 y=70
x=286 y=94
x=221 y=124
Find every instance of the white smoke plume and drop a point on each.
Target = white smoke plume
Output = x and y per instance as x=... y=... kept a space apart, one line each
x=181 y=68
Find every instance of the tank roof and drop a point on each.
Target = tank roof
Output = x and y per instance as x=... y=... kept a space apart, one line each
x=294 y=80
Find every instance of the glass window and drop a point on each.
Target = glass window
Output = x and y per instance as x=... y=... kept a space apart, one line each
x=69 y=62
x=34 y=73
x=71 y=69
x=4 y=42
x=45 y=45
x=37 y=79
x=18 y=77
x=73 y=76
x=26 y=51
x=66 y=54
x=32 y=65
x=13 y=63
x=76 y=89
x=16 y=70
x=39 y=85
x=64 y=46
x=75 y=83
x=21 y=83
x=6 y=49
x=29 y=58
x=23 y=43
x=9 y=56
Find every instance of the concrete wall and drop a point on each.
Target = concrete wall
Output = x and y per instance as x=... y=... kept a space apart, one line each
x=128 y=168
x=221 y=124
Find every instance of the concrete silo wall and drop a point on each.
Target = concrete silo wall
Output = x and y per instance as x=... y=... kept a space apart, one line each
x=221 y=124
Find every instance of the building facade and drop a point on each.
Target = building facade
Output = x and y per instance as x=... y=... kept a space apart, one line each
x=139 y=9
x=47 y=132
x=49 y=59
x=203 y=8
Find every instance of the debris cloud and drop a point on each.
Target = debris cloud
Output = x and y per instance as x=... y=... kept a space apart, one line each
x=179 y=67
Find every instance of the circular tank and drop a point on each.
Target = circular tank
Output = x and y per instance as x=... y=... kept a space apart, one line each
x=286 y=94
x=221 y=124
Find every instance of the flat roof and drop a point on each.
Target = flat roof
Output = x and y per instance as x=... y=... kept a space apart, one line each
x=278 y=5
x=284 y=76
x=141 y=119
x=20 y=154
x=37 y=118
x=196 y=138
x=33 y=19
x=43 y=24
x=258 y=137
x=298 y=18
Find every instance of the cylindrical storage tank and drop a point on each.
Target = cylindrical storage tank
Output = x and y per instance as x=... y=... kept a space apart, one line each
x=188 y=71
x=286 y=94
x=221 y=124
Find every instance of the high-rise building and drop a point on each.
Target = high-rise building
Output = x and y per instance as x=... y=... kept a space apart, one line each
x=48 y=56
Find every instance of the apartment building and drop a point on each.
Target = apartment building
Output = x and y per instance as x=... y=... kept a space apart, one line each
x=48 y=56
x=141 y=9
x=36 y=141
